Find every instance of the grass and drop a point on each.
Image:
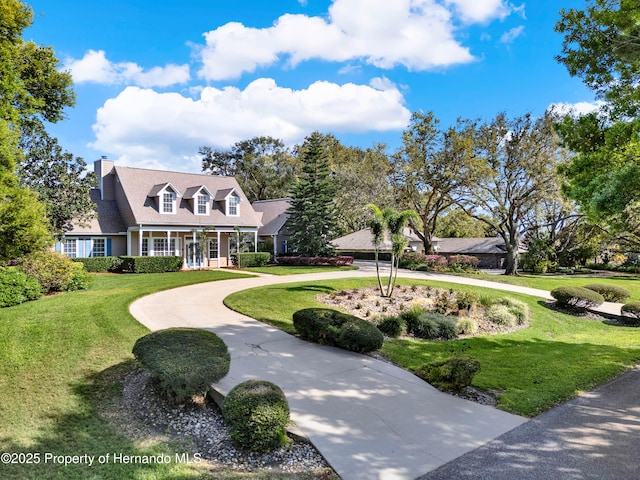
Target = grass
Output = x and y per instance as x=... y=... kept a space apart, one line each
x=532 y=369
x=549 y=282
x=62 y=360
x=296 y=270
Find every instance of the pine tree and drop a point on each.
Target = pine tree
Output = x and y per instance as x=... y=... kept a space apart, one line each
x=312 y=212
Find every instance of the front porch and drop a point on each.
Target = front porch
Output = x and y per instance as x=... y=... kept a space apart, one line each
x=201 y=248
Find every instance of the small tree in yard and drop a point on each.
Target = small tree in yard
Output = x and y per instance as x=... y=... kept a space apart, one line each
x=312 y=206
x=392 y=222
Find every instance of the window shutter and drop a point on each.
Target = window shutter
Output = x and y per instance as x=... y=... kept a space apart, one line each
x=59 y=247
x=108 y=252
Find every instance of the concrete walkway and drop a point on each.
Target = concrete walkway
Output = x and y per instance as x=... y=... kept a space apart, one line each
x=369 y=419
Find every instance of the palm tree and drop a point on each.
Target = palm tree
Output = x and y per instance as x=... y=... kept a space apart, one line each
x=393 y=222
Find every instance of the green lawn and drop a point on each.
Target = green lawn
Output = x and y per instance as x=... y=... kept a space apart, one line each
x=62 y=359
x=533 y=369
x=296 y=270
x=549 y=282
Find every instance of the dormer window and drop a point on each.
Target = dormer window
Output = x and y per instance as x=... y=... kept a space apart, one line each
x=233 y=206
x=168 y=202
x=202 y=204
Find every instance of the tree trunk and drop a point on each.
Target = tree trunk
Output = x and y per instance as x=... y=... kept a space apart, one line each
x=511 y=260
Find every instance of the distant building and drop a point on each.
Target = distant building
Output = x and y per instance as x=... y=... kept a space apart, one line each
x=275 y=221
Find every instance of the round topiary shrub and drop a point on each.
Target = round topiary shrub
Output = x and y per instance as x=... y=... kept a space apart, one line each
x=17 y=287
x=577 y=297
x=450 y=374
x=331 y=327
x=501 y=315
x=319 y=325
x=631 y=313
x=392 y=326
x=610 y=293
x=359 y=336
x=257 y=414
x=185 y=361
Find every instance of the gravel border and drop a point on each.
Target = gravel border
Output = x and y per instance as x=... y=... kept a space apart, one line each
x=142 y=414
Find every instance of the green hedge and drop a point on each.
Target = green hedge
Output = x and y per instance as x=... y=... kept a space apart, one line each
x=257 y=414
x=100 y=264
x=152 y=264
x=186 y=361
x=17 y=287
x=610 y=293
x=331 y=327
x=250 y=259
x=577 y=297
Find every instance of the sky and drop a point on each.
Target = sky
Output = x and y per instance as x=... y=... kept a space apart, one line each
x=157 y=80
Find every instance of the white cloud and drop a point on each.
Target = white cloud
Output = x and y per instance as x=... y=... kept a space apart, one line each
x=95 y=67
x=480 y=11
x=418 y=34
x=221 y=117
x=510 y=35
x=576 y=109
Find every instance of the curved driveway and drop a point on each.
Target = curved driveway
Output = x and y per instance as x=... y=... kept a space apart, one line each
x=369 y=419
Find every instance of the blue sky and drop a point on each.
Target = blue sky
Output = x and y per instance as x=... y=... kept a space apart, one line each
x=155 y=80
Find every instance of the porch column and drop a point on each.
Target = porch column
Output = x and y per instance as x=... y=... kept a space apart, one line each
x=275 y=247
x=129 y=241
x=150 y=246
x=219 y=247
x=140 y=241
x=193 y=255
x=255 y=241
x=169 y=242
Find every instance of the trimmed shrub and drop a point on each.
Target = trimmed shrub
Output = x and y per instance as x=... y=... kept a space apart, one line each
x=450 y=374
x=17 y=287
x=331 y=327
x=100 y=264
x=577 y=297
x=52 y=270
x=466 y=326
x=250 y=259
x=340 y=261
x=519 y=309
x=81 y=279
x=501 y=315
x=359 y=336
x=392 y=326
x=257 y=414
x=460 y=263
x=152 y=264
x=186 y=361
x=610 y=293
x=631 y=313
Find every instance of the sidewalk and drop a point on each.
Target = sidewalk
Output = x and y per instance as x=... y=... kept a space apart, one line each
x=369 y=419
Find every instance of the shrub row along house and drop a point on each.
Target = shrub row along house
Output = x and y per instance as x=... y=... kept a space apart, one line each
x=142 y=212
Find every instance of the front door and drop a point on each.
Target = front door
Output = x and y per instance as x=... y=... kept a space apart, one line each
x=193 y=254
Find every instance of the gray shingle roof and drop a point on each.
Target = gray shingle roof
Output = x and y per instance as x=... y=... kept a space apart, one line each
x=137 y=183
x=362 y=241
x=108 y=219
x=471 y=246
x=274 y=215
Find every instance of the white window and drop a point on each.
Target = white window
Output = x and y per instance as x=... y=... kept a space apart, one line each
x=70 y=248
x=162 y=248
x=99 y=247
x=213 y=248
x=202 y=205
x=233 y=206
x=168 y=202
